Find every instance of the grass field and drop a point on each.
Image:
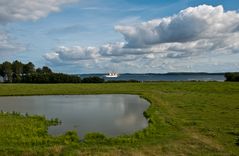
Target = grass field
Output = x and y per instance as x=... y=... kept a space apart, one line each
x=185 y=118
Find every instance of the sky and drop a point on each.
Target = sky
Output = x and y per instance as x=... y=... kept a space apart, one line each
x=127 y=36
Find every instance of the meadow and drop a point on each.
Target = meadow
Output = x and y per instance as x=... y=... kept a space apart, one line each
x=185 y=118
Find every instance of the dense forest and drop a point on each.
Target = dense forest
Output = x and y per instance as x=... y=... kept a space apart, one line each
x=18 y=72
x=232 y=76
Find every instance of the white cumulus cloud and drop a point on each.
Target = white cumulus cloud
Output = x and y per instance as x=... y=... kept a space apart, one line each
x=194 y=23
x=193 y=33
x=22 y=10
x=72 y=54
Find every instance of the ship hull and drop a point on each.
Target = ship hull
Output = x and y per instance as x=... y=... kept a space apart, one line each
x=111 y=76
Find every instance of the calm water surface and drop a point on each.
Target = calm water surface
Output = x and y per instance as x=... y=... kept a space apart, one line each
x=111 y=115
x=163 y=77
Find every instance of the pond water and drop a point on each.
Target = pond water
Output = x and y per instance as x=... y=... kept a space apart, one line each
x=111 y=115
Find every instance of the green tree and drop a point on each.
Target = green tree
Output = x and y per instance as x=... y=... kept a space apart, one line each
x=28 y=68
x=39 y=70
x=1 y=71
x=7 y=70
x=46 y=69
x=17 y=68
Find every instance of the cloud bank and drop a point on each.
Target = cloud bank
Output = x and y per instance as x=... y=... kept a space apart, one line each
x=192 y=33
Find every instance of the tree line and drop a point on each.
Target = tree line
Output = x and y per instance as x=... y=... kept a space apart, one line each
x=18 y=72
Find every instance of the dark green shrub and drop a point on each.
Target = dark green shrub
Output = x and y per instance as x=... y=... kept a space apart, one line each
x=94 y=137
x=93 y=79
x=232 y=76
x=71 y=137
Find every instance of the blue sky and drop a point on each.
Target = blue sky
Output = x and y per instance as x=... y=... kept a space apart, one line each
x=134 y=36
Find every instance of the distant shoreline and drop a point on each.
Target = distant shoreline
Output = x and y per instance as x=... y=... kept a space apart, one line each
x=170 y=73
x=180 y=76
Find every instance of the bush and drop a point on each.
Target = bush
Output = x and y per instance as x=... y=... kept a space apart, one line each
x=123 y=81
x=50 y=78
x=94 y=137
x=71 y=137
x=93 y=79
x=232 y=76
x=237 y=141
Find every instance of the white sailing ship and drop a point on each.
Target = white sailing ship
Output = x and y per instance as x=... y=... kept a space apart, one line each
x=112 y=75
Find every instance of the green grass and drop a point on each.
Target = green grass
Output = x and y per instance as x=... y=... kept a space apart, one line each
x=185 y=118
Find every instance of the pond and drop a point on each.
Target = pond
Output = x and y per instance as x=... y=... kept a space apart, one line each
x=111 y=115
